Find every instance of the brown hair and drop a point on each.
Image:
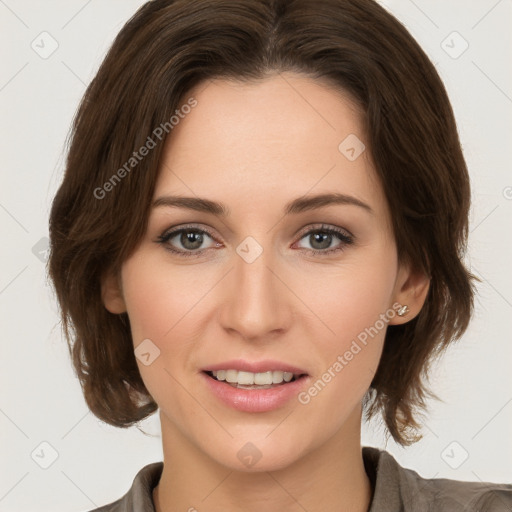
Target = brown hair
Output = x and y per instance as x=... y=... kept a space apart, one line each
x=167 y=48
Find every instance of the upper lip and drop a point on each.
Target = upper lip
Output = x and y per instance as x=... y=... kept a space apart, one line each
x=255 y=366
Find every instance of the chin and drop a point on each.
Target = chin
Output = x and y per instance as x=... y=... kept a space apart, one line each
x=258 y=453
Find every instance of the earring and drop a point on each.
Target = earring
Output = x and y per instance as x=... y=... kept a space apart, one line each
x=403 y=310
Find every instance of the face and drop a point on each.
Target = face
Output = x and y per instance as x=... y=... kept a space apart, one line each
x=310 y=290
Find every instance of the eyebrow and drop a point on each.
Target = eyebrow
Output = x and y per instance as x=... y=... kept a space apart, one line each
x=299 y=205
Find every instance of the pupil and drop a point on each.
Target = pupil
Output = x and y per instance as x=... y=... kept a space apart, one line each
x=188 y=237
x=323 y=237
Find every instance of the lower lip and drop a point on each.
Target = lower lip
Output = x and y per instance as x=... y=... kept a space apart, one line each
x=255 y=400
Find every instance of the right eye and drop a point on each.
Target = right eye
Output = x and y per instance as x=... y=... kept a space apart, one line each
x=189 y=237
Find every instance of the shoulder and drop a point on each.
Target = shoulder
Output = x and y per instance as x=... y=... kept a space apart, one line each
x=139 y=497
x=403 y=489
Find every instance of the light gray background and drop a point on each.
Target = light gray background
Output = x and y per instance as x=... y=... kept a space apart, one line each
x=40 y=399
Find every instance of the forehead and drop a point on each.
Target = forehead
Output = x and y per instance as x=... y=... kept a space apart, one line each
x=267 y=140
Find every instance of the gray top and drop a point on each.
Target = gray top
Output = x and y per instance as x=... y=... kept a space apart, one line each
x=395 y=489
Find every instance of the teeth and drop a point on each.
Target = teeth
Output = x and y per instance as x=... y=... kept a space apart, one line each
x=249 y=378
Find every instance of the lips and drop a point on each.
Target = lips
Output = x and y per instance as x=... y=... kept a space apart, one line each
x=254 y=398
x=256 y=366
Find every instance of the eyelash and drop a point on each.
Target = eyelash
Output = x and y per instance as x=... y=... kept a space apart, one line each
x=341 y=235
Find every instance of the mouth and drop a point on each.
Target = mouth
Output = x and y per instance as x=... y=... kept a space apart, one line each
x=255 y=386
x=248 y=380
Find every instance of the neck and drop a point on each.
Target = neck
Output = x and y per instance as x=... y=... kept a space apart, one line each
x=330 y=478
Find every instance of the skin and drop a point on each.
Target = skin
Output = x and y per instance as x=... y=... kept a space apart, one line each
x=255 y=147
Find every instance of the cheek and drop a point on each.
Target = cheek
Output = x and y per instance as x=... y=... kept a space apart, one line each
x=354 y=303
x=157 y=301
x=157 y=297
x=163 y=303
x=351 y=298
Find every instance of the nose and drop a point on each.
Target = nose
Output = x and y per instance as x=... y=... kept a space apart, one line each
x=256 y=304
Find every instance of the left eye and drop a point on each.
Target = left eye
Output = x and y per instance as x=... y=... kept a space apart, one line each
x=322 y=239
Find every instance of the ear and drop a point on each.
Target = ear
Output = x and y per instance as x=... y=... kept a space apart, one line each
x=112 y=294
x=411 y=290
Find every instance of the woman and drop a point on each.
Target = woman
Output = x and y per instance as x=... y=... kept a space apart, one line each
x=260 y=232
